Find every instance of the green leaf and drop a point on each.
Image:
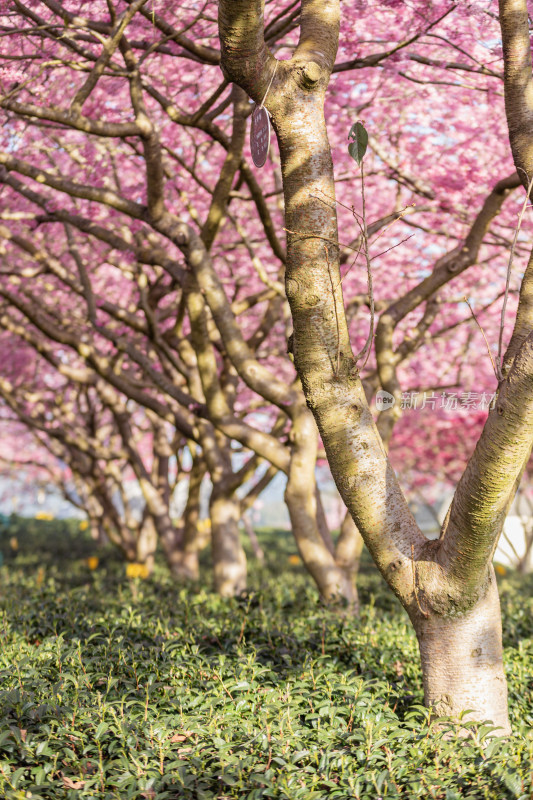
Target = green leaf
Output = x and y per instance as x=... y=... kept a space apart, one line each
x=359 y=136
x=101 y=729
x=17 y=776
x=513 y=782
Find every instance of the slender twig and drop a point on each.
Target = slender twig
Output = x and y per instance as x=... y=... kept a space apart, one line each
x=352 y=265
x=309 y=235
x=269 y=85
x=401 y=214
x=494 y=367
x=335 y=202
x=384 y=252
x=364 y=230
x=333 y=291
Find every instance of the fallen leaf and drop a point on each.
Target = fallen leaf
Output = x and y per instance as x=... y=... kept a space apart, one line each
x=70 y=784
x=182 y=737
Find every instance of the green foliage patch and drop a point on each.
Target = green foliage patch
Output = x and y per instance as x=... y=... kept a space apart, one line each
x=117 y=688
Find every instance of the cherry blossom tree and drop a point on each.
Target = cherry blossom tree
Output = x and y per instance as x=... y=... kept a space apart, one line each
x=172 y=352
x=142 y=249
x=448 y=586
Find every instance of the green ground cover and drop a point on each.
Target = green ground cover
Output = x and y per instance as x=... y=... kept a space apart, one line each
x=121 y=688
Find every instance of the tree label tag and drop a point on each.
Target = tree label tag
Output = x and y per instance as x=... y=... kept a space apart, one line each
x=260 y=136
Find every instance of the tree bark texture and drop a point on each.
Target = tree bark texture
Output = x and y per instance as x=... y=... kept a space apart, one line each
x=462 y=663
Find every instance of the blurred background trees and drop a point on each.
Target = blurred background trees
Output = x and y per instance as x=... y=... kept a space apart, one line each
x=144 y=329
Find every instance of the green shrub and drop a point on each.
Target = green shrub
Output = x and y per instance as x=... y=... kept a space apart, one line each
x=112 y=688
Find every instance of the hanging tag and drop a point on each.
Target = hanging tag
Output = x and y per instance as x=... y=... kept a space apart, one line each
x=260 y=136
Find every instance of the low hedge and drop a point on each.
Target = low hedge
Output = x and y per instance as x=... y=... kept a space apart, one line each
x=114 y=687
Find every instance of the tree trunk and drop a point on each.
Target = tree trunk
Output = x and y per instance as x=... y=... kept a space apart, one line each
x=462 y=662
x=322 y=522
x=181 y=552
x=254 y=541
x=349 y=548
x=192 y=538
x=229 y=560
x=189 y=566
x=300 y=497
x=147 y=543
x=98 y=533
x=179 y=564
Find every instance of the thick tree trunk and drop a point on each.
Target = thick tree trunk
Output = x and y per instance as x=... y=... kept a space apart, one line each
x=462 y=662
x=185 y=563
x=229 y=560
